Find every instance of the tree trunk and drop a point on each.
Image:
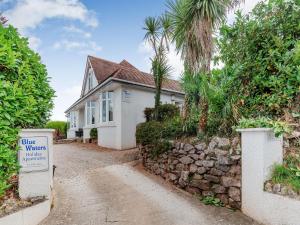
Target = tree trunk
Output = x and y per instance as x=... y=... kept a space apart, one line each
x=203 y=105
x=157 y=101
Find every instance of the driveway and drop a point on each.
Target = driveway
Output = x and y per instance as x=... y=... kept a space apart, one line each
x=97 y=186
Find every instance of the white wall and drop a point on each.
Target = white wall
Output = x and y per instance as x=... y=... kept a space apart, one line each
x=260 y=151
x=133 y=110
x=109 y=133
x=128 y=112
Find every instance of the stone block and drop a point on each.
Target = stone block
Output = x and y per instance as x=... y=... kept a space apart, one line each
x=230 y=182
x=186 y=160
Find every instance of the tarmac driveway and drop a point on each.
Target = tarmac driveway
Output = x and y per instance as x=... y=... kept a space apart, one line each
x=97 y=186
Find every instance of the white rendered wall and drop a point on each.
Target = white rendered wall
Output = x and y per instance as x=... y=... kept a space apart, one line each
x=109 y=133
x=120 y=134
x=260 y=151
x=71 y=133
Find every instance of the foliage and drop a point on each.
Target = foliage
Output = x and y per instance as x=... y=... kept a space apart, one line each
x=157 y=35
x=94 y=133
x=148 y=133
x=210 y=200
x=160 y=147
x=151 y=134
x=60 y=127
x=26 y=97
x=194 y=22
x=173 y=128
x=261 y=76
x=278 y=127
x=165 y=112
x=288 y=173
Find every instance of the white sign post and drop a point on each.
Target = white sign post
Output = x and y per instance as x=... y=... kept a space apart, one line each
x=36 y=161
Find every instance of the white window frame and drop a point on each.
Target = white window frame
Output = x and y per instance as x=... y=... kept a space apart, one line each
x=106 y=98
x=73 y=119
x=90 y=80
x=89 y=108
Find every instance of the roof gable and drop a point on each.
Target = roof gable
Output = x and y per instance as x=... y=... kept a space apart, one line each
x=104 y=69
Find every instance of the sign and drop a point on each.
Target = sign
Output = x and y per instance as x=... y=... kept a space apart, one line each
x=34 y=154
x=126 y=96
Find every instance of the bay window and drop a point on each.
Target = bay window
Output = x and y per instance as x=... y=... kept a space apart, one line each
x=73 y=120
x=90 y=112
x=106 y=106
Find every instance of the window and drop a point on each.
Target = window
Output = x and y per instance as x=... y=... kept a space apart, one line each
x=106 y=106
x=90 y=112
x=73 y=120
x=90 y=79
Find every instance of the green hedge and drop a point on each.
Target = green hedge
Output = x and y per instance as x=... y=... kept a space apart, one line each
x=155 y=134
x=60 y=127
x=165 y=112
x=26 y=98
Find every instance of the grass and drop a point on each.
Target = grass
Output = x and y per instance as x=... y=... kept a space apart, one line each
x=288 y=173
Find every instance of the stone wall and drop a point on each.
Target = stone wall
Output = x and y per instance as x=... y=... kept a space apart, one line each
x=212 y=169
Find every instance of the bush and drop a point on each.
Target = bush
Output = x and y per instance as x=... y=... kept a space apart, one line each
x=60 y=128
x=94 y=133
x=148 y=132
x=261 y=56
x=151 y=134
x=26 y=97
x=165 y=112
x=160 y=147
x=173 y=128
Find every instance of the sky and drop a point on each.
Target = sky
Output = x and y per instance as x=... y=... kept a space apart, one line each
x=64 y=32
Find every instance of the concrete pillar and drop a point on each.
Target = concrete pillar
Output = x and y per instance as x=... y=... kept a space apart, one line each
x=36 y=161
x=261 y=150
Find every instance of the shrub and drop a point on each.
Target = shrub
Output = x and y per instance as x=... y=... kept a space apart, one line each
x=148 y=133
x=160 y=147
x=149 y=114
x=261 y=56
x=26 y=97
x=173 y=128
x=278 y=127
x=94 y=133
x=165 y=112
x=60 y=128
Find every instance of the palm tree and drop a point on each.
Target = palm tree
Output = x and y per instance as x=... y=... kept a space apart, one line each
x=158 y=32
x=193 y=23
x=3 y=20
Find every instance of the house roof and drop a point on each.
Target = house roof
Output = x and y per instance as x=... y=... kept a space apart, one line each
x=105 y=70
x=125 y=71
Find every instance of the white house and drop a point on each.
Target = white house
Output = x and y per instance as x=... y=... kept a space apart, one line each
x=113 y=98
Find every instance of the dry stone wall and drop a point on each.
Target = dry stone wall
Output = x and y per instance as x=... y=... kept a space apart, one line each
x=212 y=169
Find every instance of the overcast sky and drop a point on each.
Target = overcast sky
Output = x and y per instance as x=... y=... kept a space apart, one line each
x=64 y=32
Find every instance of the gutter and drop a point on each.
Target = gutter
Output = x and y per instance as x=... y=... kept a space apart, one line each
x=121 y=81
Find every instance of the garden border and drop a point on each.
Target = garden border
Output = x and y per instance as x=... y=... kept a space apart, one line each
x=32 y=215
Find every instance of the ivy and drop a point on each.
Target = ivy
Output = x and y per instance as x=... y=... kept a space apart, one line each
x=25 y=97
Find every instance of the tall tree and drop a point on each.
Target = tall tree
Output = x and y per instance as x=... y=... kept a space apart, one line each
x=194 y=22
x=158 y=31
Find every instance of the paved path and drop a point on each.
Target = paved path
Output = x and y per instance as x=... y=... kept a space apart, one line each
x=96 y=187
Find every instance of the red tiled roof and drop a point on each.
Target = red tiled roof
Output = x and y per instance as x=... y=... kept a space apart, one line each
x=125 y=71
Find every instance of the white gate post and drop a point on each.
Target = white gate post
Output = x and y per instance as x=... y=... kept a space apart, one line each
x=36 y=161
x=260 y=151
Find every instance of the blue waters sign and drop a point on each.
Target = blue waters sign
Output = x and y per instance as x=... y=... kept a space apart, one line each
x=34 y=154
